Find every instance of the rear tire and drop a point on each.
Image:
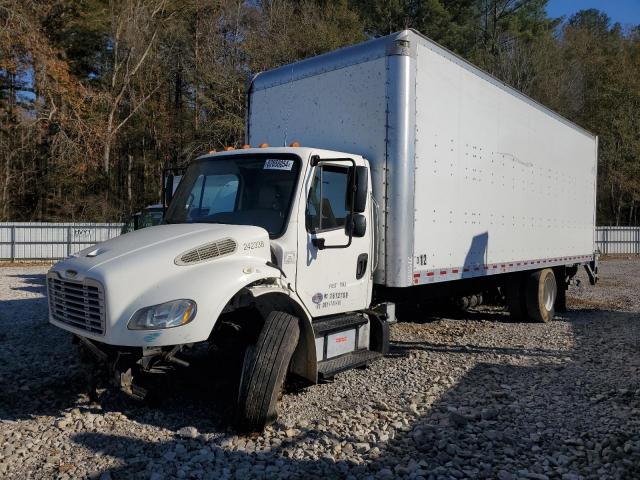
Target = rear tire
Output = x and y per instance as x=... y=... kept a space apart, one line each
x=264 y=370
x=541 y=294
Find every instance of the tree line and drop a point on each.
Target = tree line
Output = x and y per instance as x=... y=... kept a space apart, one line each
x=98 y=96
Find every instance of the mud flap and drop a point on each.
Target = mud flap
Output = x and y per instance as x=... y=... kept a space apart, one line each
x=592 y=271
x=379 y=334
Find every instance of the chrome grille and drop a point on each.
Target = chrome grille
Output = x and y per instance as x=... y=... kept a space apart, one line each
x=77 y=304
x=207 y=251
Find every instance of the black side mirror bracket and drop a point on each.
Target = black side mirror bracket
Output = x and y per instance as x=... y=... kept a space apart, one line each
x=318 y=243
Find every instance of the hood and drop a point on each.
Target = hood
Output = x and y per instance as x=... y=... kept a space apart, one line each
x=159 y=245
x=170 y=240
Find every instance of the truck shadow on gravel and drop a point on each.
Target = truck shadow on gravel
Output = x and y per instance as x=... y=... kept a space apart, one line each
x=39 y=370
x=560 y=415
x=43 y=375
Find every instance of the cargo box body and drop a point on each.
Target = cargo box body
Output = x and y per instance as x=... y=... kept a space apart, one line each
x=472 y=177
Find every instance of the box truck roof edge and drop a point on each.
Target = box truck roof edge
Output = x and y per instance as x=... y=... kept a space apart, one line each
x=377 y=48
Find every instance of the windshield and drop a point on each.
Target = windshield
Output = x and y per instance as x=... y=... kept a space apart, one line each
x=237 y=190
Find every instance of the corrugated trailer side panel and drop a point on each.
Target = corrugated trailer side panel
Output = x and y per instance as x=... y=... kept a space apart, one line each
x=500 y=181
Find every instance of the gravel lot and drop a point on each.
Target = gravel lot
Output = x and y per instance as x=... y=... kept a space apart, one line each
x=475 y=397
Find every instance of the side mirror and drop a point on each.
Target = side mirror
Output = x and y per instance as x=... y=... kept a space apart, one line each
x=361 y=189
x=356 y=225
x=168 y=189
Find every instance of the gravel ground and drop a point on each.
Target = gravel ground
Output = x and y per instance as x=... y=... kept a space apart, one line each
x=473 y=397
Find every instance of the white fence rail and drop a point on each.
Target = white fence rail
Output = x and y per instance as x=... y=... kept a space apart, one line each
x=51 y=241
x=618 y=240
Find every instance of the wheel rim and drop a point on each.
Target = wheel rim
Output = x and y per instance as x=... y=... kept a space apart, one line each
x=549 y=293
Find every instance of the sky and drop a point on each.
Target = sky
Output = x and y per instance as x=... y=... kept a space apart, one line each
x=626 y=12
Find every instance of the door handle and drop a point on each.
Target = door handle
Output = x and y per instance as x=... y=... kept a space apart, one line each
x=361 y=265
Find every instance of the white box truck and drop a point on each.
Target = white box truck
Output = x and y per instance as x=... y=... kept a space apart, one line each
x=397 y=171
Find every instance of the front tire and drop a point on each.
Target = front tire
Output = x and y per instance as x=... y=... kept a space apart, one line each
x=264 y=370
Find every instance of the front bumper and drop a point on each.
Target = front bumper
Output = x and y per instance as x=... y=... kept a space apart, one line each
x=123 y=364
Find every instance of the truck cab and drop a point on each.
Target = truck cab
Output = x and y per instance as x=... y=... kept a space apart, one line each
x=299 y=198
x=274 y=244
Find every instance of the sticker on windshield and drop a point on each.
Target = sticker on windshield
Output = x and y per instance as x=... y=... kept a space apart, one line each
x=278 y=164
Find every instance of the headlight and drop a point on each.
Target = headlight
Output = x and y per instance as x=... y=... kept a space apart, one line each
x=166 y=315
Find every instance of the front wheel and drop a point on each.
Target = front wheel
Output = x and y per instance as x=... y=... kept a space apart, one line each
x=264 y=370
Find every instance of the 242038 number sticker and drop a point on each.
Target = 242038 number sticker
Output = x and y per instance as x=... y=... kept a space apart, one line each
x=253 y=245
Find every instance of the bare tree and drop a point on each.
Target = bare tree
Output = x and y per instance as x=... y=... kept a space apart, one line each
x=135 y=25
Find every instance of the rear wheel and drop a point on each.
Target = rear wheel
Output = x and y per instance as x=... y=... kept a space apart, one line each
x=264 y=370
x=541 y=293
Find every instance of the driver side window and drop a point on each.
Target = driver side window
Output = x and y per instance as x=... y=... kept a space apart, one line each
x=326 y=205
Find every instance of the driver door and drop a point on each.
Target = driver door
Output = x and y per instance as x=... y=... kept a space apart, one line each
x=335 y=279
